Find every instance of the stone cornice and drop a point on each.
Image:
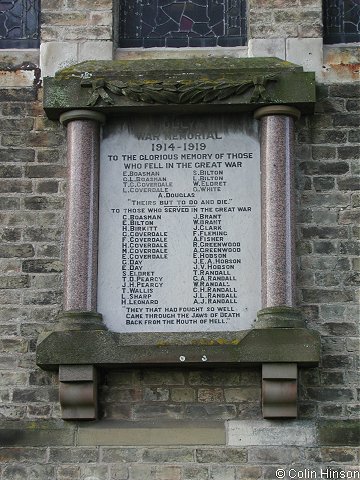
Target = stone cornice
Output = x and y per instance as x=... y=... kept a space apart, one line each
x=173 y=86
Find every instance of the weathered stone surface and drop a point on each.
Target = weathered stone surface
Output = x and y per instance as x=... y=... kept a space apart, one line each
x=145 y=433
x=265 y=432
x=66 y=91
x=339 y=432
x=36 y=434
x=257 y=346
x=221 y=455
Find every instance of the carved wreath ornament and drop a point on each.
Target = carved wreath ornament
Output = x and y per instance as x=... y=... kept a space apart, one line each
x=176 y=92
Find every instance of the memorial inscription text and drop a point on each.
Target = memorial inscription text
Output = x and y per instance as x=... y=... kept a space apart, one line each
x=179 y=225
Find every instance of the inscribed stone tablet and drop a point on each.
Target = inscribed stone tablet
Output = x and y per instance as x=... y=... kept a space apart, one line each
x=179 y=239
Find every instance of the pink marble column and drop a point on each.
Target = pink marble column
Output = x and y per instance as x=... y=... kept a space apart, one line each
x=277 y=190
x=81 y=222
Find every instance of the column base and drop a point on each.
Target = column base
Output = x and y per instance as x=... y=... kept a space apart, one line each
x=280 y=316
x=79 y=320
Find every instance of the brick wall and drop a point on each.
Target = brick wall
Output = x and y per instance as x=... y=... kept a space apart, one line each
x=76 y=20
x=284 y=18
x=35 y=444
x=32 y=194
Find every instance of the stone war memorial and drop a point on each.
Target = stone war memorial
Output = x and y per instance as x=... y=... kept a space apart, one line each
x=178 y=196
x=178 y=244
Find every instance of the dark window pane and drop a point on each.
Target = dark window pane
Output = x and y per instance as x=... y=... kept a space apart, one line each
x=19 y=23
x=182 y=23
x=341 y=21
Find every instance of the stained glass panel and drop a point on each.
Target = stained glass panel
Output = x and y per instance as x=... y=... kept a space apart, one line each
x=182 y=23
x=341 y=21
x=19 y=23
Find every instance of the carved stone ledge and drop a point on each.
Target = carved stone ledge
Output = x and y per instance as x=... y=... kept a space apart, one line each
x=79 y=352
x=108 y=349
x=210 y=85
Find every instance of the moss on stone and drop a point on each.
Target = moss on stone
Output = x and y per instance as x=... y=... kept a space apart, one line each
x=164 y=67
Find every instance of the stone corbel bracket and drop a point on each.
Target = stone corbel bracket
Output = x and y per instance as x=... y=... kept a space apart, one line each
x=86 y=95
x=81 y=354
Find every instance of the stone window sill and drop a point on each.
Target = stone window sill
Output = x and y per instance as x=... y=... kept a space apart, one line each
x=174 y=53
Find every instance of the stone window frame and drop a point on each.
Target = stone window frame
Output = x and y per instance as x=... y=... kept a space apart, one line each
x=173 y=52
x=243 y=10
x=22 y=43
x=342 y=37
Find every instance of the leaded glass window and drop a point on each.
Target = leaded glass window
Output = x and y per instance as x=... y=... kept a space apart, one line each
x=182 y=23
x=341 y=21
x=19 y=23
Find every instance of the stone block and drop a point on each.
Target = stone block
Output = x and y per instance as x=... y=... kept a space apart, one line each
x=191 y=472
x=156 y=394
x=306 y=52
x=273 y=455
x=345 y=90
x=16 y=186
x=73 y=455
x=68 y=472
x=214 y=377
x=95 y=49
x=222 y=472
x=12 y=472
x=32 y=139
x=339 y=432
x=323 y=183
x=93 y=472
x=349 y=152
x=242 y=394
x=118 y=454
x=167 y=455
x=57 y=55
x=182 y=394
x=17 y=94
x=10 y=171
x=232 y=456
x=43 y=203
x=210 y=395
x=18 y=155
x=119 y=472
x=262 y=47
x=112 y=432
x=9 y=203
x=163 y=377
x=47 y=186
x=45 y=171
x=41 y=433
x=142 y=472
x=267 y=432
x=21 y=281
x=23 y=455
x=211 y=411
x=249 y=472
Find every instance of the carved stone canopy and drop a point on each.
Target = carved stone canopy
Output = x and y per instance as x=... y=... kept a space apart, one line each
x=83 y=96
x=178 y=86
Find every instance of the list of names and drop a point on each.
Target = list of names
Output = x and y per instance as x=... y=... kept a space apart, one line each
x=179 y=246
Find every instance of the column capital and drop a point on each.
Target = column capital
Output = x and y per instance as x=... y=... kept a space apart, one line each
x=277 y=110
x=70 y=115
